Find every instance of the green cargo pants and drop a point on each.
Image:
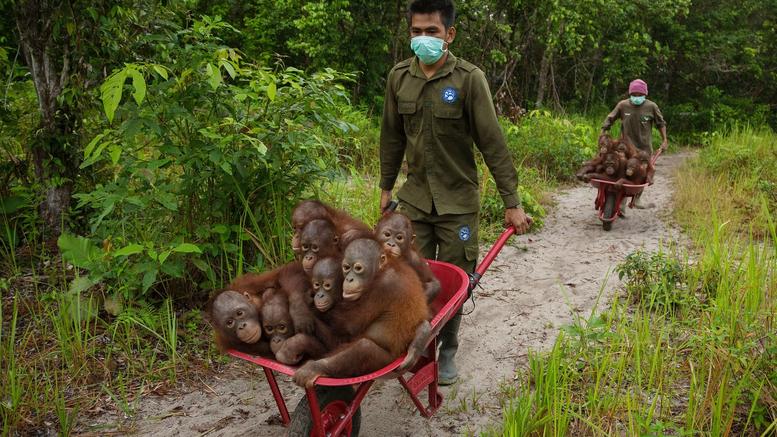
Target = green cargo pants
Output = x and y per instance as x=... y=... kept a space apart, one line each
x=452 y=238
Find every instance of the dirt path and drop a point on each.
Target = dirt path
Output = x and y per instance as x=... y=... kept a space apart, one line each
x=535 y=286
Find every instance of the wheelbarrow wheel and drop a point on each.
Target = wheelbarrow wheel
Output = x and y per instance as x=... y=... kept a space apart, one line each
x=609 y=211
x=333 y=402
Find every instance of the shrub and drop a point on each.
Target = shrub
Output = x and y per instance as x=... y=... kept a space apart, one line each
x=553 y=145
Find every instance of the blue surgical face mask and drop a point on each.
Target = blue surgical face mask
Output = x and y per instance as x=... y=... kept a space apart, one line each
x=637 y=100
x=428 y=48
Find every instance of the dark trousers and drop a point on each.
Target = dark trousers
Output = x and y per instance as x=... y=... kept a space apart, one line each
x=452 y=238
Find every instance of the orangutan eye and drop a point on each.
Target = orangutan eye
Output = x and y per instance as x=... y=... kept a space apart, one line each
x=358 y=268
x=230 y=322
x=268 y=328
x=387 y=234
x=346 y=268
x=305 y=247
x=399 y=237
x=282 y=329
x=240 y=313
x=316 y=285
x=327 y=286
x=315 y=248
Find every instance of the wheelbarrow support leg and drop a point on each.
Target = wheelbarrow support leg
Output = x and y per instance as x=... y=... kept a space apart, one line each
x=276 y=392
x=425 y=377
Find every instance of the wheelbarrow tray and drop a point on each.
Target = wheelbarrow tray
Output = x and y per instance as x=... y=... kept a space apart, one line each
x=454 y=285
x=609 y=191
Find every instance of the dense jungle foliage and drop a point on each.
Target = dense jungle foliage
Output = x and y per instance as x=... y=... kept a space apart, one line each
x=150 y=151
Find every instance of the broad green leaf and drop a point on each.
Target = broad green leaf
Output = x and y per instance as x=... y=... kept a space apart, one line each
x=187 y=248
x=230 y=69
x=148 y=279
x=200 y=264
x=167 y=200
x=214 y=76
x=115 y=152
x=160 y=70
x=129 y=250
x=174 y=268
x=220 y=229
x=79 y=284
x=163 y=256
x=95 y=156
x=139 y=83
x=110 y=92
x=90 y=147
x=79 y=251
x=272 y=90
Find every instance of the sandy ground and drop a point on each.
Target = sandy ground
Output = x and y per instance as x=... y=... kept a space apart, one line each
x=539 y=283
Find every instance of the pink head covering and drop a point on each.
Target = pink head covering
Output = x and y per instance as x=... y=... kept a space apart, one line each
x=638 y=86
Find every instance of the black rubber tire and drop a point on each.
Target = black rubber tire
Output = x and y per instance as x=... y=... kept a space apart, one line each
x=302 y=422
x=609 y=210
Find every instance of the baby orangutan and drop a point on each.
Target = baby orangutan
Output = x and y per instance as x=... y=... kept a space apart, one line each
x=289 y=347
x=613 y=167
x=385 y=306
x=235 y=321
x=347 y=228
x=395 y=232
x=633 y=174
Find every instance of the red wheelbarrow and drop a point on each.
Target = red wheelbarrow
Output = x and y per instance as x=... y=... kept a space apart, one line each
x=331 y=408
x=610 y=196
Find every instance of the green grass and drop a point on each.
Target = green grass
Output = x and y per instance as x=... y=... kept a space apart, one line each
x=61 y=354
x=690 y=347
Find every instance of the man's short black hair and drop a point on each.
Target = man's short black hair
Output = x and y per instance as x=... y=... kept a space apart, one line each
x=445 y=7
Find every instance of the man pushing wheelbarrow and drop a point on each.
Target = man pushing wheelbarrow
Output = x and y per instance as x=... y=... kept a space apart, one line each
x=624 y=167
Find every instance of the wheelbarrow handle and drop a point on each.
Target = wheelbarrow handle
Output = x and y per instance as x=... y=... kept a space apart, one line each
x=491 y=255
x=655 y=157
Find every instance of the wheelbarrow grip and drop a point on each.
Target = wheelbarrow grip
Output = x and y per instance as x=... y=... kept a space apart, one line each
x=391 y=207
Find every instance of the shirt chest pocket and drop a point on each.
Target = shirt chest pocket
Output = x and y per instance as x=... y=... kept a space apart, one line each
x=411 y=119
x=449 y=119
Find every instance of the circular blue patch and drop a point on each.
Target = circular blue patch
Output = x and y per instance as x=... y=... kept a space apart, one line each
x=464 y=233
x=450 y=95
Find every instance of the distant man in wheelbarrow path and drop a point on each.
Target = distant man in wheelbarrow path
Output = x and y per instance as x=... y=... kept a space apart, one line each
x=638 y=115
x=436 y=107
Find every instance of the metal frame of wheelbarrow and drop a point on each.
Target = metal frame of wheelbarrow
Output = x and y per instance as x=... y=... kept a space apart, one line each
x=336 y=418
x=605 y=187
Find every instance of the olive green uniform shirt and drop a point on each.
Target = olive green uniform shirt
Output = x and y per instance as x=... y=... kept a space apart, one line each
x=636 y=122
x=433 y=123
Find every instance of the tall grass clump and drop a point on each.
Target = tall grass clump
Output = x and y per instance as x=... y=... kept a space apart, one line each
x=690 y=347
x=739 y=172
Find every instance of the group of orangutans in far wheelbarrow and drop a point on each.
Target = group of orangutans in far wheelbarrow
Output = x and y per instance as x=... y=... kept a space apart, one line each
x=619 y=162
x=353 y=301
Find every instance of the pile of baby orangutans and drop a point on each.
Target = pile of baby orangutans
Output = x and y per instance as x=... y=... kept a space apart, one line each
x=619 y=162
x=352 y=302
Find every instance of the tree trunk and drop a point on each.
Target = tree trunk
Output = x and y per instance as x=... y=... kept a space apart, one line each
x=48 y=62
x=542 y=84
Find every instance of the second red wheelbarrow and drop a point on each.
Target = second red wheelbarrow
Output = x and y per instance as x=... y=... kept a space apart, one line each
x=609 y=196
